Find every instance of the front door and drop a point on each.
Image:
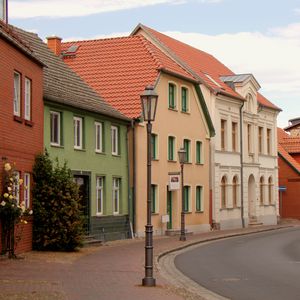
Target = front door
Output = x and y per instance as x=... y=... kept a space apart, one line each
x=83 y=183
x=169 y=208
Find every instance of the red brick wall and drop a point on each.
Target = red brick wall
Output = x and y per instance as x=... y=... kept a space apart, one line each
x=20 y=141
x=289 y=178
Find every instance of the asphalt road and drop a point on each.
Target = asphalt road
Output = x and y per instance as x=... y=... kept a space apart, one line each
x=263 y=266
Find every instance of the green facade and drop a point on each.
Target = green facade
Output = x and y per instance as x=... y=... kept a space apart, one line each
x=87 y=161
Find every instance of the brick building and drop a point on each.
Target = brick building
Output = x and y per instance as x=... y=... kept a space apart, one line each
x=289 y=173
x=21 y=130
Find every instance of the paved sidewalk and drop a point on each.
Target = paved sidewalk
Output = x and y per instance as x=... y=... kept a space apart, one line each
x=109 y=272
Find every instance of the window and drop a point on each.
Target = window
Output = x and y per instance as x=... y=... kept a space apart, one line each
x=154 y=198
x=55 y=128
x=116 y=195
x=261 y=190
x=223 y=192
x=249 y=134
x=184 y=100
x=154 y=154
x=16 y=186
x=77 y=132
x=171 y=148
x=260 y=140
x=234 y=136
x=27 y=108
x=98 y=137
x=235 y=191
x=17 y=94
x=269 y=141
x=114 y=140
x=99 y=194
x=250 y=103
x=199 y=198
x=186 y=198
x=223 y=134
x=198 y=152
x=270 y=186
x=27 y=190
x=172 y=96
x=187 y=148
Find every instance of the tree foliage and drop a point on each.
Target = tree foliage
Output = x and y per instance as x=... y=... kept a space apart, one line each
x=58 y=220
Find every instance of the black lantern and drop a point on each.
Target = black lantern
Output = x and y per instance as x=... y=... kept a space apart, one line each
x=149 y=103
x=181 y=155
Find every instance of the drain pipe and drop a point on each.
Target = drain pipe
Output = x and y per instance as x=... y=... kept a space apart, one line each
x=133 y=176
x=242 y=166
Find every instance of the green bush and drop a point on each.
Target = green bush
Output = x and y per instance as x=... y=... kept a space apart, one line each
x=58 y=219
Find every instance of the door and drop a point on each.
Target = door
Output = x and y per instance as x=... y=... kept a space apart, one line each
x=169 y=208
x=83 y=184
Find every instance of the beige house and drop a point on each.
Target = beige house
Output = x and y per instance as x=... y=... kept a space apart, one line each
x=244 y=169
x=182 y=120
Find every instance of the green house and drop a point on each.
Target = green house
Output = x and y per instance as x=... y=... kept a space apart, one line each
x=91 y=136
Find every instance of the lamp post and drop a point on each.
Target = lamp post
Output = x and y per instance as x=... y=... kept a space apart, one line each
x=149 y=103
x=181 y=155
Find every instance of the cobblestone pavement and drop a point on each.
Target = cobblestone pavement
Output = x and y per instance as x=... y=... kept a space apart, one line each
x=109 y=272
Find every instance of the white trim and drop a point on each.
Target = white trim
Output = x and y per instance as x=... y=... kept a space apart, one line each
x=27 y=101
x=55 y=113
x=187 y=98
x=201 y=198
x=17 y=94
x=201 y=152
x=175 y=97
x=98 y=137
x=116 y=187
x=174 y=150
x=114 y=142
x=77 y=121
x=27 y=190
x=99 y=189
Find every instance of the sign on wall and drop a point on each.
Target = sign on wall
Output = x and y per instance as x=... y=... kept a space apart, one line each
x=174 y=181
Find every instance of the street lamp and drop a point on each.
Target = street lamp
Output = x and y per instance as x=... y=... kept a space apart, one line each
x=182 y=158
x=149 y=103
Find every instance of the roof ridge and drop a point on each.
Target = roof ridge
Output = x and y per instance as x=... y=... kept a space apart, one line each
x=100 y=39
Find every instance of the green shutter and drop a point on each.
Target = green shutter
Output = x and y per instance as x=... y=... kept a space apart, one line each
x=198 y=198
x=171 y=95
x=184 y=99
x=171 y=148
x=186 y=145
x=198 y=152
x=186 y=198
x=153 y=146
x=153 y=198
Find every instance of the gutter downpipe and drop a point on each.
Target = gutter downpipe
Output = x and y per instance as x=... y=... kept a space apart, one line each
x=133 y=177
x=242 y=166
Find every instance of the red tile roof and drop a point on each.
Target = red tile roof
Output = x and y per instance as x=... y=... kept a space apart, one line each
x=201 y=63
x=287 y=145
x=120 y=68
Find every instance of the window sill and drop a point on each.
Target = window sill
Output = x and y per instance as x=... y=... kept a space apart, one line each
x=173 y=109
x=154 y=159
x=199 y=163
x=188 y=212
x=172 y=161
x=56 y=146
x=116 y=155
x=186 y=112
x=98 y=152
x=155 y=214
x=98 y=215
x=199 y=211
x=29 y=123
x=80 y=149
x=18 y=119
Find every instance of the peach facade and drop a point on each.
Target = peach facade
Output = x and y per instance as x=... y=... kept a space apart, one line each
x=189 y=125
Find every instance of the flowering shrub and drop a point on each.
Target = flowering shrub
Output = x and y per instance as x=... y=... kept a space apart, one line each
x=11 y=209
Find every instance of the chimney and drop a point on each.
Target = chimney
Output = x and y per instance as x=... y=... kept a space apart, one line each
x=4 y=11
x=54 y=43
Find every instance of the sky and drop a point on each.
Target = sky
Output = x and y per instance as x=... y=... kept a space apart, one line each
x=261 y=37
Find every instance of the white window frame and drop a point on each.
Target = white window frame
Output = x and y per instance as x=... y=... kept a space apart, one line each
x=27 y=190
x=116 y=186
x=98 y=137
x=16 y=186
x=53 y=143
x=17 y=94
x=77 y=121
x=201 y=198
x=114 y=140
x=99 y=192
x=27 y=102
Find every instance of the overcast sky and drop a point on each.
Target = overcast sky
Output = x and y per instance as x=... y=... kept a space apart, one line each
x=261 y=37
